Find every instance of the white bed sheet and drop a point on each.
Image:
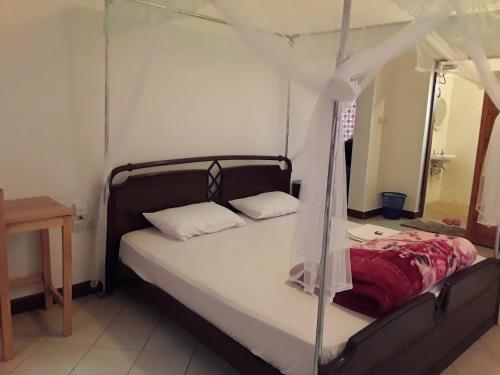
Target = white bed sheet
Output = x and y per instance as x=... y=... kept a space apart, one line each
x=236 y=279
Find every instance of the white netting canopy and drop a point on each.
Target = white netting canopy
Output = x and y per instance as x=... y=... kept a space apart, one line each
x=302 y=41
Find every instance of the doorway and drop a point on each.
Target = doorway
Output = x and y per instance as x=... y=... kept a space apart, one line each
x=476 y=232
x=459 y=131
x=454 y=136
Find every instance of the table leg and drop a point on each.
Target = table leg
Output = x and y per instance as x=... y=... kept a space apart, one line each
x=67 y=278
x=5 y=309
x=46 y=270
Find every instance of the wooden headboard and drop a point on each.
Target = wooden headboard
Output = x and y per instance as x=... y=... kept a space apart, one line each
x=154 y=191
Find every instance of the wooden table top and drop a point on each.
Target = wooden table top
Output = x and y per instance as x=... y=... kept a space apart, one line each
x=31 y=209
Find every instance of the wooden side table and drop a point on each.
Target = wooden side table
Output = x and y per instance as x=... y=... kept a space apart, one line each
x=35 y=214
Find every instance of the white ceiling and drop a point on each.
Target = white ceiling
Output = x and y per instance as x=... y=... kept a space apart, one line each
x=313 y=15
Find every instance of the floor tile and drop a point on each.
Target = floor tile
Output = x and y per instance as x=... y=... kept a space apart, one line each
x=491 y=340
x=22 y=349
x=125 y=336
x=53 y=359
x=85 y=332
x=485 y=252
x=206 y=362
x=169 y=337
x=41 y=322
x=120 y=329
x=450 y=371
x=381 y=221
x=138 y=313
x=106 y=361
x=150 y=363
x=103 y=310
x=477 y=361
x=480 y=344
x=37 y=323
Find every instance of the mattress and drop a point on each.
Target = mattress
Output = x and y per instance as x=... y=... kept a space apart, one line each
x=237 y=280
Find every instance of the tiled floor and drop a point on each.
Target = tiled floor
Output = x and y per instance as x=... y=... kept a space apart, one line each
x=112 y=336
x=117 y=336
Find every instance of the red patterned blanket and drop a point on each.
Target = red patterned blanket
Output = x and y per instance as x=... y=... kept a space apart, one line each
x=390 y=271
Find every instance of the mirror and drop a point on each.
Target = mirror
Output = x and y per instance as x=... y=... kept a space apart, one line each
x=439 y=113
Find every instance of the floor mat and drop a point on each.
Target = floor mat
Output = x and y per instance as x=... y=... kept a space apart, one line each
x=435 y=227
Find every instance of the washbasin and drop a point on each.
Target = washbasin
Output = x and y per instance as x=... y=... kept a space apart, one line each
x=442 y=157
x=438 y=161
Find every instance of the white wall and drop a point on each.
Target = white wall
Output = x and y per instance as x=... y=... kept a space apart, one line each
x=457 y=135
x=323 y=49
x=462 y=138
x=51 y=111
x=366 y=149
x=360 y=150
x=390 y=135
x=205 y=94
x=389 y=139
x=403 y=137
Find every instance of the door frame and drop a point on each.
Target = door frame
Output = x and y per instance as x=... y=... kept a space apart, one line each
x=428 y=148
x=477 y=233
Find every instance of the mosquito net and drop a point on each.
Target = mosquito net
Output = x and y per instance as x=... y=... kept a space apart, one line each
x=331 y=49
x=467 y=41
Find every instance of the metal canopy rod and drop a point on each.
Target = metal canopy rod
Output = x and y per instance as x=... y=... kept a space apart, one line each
x=205 y=18
x=336 y=120
x=106 y=78
x=291 y=42
x=288 y=36
x=287 y=130
x=497 y=243
x=182 y=12
x=332 y=31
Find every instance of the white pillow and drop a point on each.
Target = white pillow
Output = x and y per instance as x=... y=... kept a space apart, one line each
x=265 y=205
x=194 y=219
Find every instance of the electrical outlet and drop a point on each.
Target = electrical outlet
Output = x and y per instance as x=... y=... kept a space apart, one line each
x=82 y=225
x=81 y=212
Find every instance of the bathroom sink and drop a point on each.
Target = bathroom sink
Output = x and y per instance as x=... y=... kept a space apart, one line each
x=442 y=157
x=438 y=161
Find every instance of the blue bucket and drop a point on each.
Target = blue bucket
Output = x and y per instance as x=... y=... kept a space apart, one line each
x=392 y=204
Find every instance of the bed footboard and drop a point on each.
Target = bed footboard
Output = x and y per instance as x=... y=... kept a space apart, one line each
x=426 y=334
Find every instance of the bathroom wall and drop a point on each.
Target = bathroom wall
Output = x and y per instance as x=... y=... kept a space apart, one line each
x=389 y=143
x=458 y=135
x=463 y=134
x=439 y=136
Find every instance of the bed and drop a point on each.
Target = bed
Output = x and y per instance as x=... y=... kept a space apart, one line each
x=258 y=332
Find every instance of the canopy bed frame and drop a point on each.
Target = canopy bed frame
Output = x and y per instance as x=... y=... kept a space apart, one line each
x=423 y=336
x=122 y=222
